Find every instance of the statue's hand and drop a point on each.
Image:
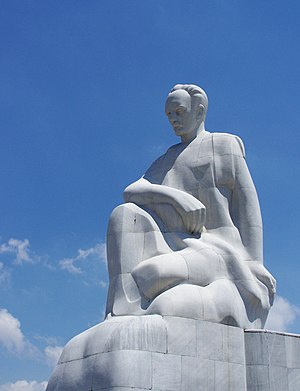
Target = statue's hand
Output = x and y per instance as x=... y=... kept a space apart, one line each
x=262 y=274
x=176 y=208
x=192 y=212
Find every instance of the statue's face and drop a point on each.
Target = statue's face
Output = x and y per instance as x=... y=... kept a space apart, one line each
x=180 y=113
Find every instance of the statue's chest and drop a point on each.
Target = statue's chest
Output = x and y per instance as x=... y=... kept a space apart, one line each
x=192 y=170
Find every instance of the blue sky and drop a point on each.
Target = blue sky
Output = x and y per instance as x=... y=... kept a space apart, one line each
x=83 y=85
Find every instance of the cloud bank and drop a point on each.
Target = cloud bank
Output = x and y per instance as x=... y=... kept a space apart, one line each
x=52 y=354
x=13 y=340
x=4 y=275
x=24 y=385
x=75 y=265
x=18 y=249
x=14 y=253
x=11 y=336
x=87 y=263
x=282 y=315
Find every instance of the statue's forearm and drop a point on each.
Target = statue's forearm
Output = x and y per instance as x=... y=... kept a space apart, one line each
x=245 y=211
x=178 y=209
x=253 y=242
x=247 y=218
x=144 y=193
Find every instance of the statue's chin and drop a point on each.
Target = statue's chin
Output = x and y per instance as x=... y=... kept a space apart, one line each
x=182 y=131
x=179 y=131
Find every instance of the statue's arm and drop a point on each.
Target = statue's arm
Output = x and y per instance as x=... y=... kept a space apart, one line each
x=164 y=201
x=246 y=215
x=245 y=211
x=232 y=173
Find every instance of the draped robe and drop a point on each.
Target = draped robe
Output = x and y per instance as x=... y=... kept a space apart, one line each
x=217 y=275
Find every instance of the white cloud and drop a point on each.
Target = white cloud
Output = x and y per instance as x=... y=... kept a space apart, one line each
x=52 y=341
x=52 y=354
x=68 y=264
x=12 y=337
x=4 y=274
x=99 y=250
x=103 y=284
x=14 y=341
x=282 y=314
x=75 y=265
x=24 y=385
x=18 y=249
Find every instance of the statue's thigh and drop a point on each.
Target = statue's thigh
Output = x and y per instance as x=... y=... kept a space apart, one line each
x=132 y=237
x=204 y=265
x=218 y=302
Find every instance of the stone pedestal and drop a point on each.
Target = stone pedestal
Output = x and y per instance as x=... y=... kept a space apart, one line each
x=170 y=353
x=272 y=361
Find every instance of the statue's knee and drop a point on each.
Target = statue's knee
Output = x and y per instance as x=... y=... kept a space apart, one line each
x=130 y=218
x=120 y=217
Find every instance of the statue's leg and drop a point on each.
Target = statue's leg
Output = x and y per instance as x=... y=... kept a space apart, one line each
x=132 y=236
x=198 y=266
x=218 y=302
x=222 y=284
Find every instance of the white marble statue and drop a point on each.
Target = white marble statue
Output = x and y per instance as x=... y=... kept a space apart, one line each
x=188 y=240
x=185 y=265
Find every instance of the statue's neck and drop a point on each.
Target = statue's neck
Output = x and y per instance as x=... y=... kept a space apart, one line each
x=187 y=138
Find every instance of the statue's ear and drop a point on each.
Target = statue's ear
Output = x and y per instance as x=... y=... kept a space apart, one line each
x=200 y=112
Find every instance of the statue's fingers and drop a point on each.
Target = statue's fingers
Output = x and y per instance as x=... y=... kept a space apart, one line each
x=201 y=220
x=203 y=214
x=197 y=228
x=197 y=221
x=187 y=223
x=192 y=221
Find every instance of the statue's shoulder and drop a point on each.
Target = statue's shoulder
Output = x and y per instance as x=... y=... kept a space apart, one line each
x=156 y=172
x=228 y=144
x=173 y=147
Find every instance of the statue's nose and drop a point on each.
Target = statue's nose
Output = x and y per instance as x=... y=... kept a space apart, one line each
x=173 y=118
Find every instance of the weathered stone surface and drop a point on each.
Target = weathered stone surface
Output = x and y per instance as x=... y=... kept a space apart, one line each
x=273 y=361
x=154 y=352
x=188 y=240
x=186 y=276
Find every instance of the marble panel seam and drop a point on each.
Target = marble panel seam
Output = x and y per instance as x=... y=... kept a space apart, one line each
x=122 y=350
x=266 y=331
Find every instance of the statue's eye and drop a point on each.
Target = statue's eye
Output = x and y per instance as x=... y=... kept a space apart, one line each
x=180 y=110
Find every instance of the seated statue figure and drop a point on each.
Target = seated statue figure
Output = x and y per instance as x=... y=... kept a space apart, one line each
x=188 y=240
x=185 y=247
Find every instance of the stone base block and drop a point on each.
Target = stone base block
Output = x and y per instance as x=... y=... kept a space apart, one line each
x=272 y=361
x=168 y=353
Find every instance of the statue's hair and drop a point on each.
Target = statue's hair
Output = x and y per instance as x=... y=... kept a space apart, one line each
x=197 y=94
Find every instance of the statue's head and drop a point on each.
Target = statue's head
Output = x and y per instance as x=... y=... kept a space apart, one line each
x=186 y=108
